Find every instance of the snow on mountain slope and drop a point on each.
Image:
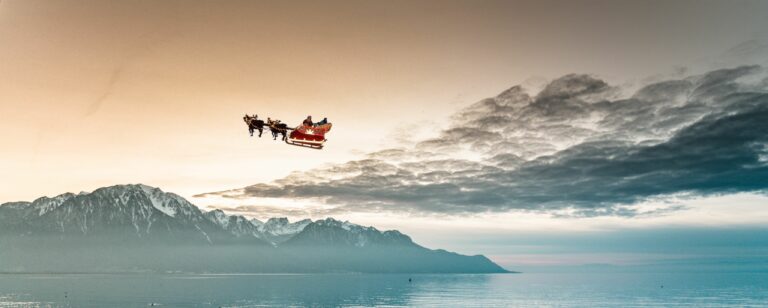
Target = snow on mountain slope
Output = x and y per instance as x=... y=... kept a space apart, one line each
x=239 y=226
x=149 y=211
x=159 y=200
x=145 y=211
x=278 y=230
x=130 y=227
x=169 y=203
x=275 y=230
x=332 y=232
x=219 y=218
x=281 y=226
x=44 y=205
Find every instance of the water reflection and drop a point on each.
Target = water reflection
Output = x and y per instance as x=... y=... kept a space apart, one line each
x=227 y=290
x=323 y=290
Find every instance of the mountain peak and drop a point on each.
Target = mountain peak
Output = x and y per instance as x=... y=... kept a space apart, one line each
x=138 y=187
x=168 y=203
x=151 y=221
x=141 y=208
x=143 y=187
x=219 y=217
x=44 y=204
x=333 y=232
x=346 y=225
x=279 y=228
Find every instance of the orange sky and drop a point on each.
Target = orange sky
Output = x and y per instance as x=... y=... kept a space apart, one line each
x=98 y=92
x=95 y=93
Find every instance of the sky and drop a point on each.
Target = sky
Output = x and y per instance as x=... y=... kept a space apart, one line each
x=539 y=133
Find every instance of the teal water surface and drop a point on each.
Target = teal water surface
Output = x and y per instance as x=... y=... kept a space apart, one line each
x=333 y=290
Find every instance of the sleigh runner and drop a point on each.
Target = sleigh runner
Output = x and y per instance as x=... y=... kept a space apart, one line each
x=309 y=136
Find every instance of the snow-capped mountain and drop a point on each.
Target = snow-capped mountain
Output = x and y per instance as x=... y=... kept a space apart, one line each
x=322 y=232
x=130 y=211
x=331 y=232
x=143 y=211
x=278 y=230
x=239 y=226
x=135 y=227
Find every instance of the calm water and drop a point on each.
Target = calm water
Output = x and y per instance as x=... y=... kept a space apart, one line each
x=529 y=289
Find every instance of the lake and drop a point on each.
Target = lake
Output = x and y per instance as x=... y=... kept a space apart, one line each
x=323 y=290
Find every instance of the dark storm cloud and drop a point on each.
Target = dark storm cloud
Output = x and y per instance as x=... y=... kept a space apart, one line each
x=572 y=147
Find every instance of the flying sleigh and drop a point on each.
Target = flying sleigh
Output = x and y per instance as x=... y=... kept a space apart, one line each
x=309 y=134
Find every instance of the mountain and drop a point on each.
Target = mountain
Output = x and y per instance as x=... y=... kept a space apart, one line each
x=142 y=228
x=333 y=233
x=278 y=230
x=237 y=226
x=128 y=212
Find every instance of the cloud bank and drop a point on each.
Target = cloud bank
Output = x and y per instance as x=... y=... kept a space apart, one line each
x=577 y=147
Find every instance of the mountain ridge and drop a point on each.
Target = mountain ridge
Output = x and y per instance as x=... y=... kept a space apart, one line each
x=137 y=218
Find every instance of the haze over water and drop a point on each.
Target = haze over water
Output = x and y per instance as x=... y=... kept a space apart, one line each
x=603 y=289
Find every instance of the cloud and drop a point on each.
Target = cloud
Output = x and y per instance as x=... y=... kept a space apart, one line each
x=274 y=211
x=576 y=148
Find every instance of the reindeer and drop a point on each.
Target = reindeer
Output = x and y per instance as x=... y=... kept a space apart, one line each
x=254 y=123
x=276 y=127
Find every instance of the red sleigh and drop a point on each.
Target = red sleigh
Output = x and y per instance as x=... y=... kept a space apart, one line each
x=311 y=136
